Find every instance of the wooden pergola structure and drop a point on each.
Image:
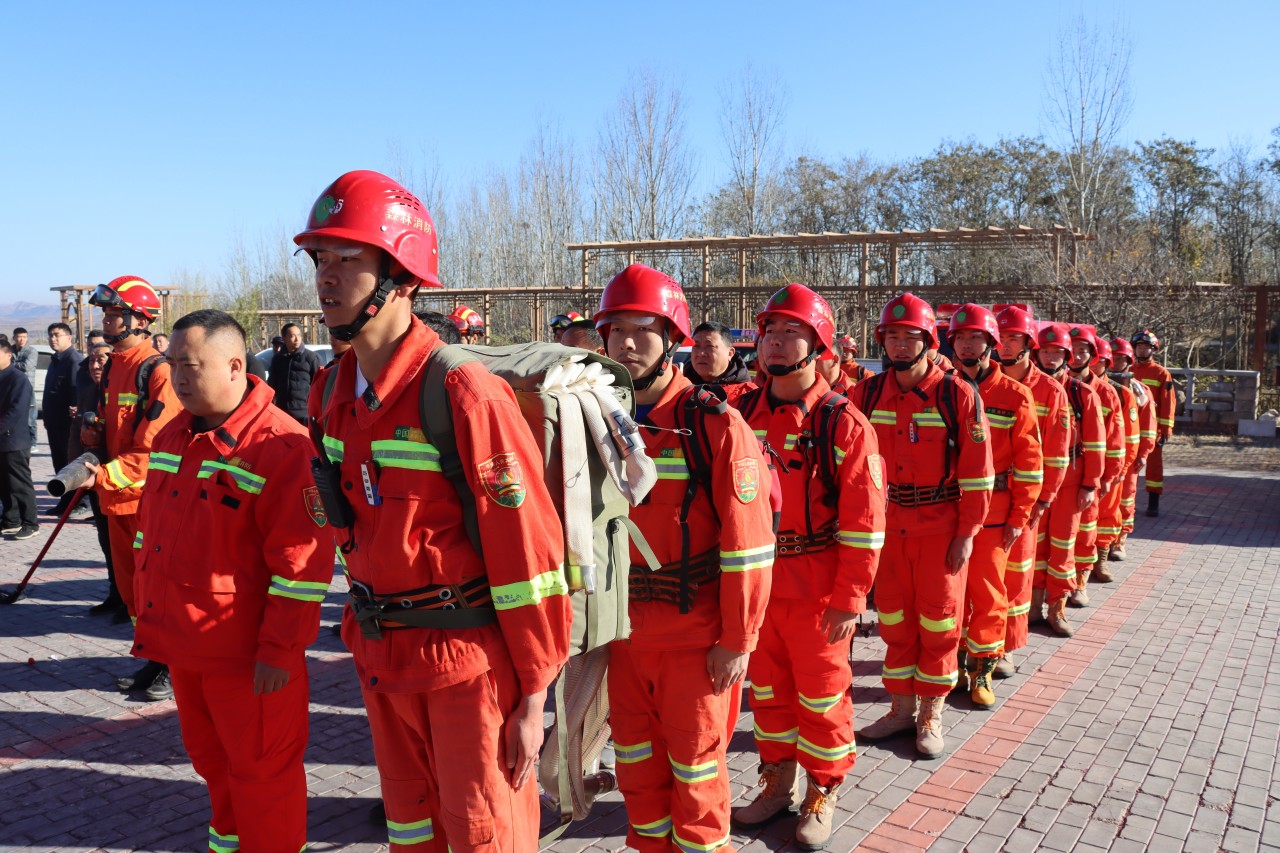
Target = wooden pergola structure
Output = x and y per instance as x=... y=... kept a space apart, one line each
x=73 y=302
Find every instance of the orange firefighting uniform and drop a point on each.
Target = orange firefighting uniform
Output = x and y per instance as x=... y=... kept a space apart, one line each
x=1018 y=461
x=1054 y=420
x=1159 y=384
x=437 y=698
x=855 y=373
x=827 y=557
x=1146 y=444
x=127 y=443
x=940 y=360
x=1086 y=547
x=1056 y=536
x=231 y=570
x=917 y=596
x=670 y=730
x=1110 y=522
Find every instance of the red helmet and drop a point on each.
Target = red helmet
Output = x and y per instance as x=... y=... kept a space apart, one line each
x=644 y=289
x=467 y=320
x=1017 y=320
x=803 y=305
x=1146 y=336
x=129 y=292
x=910 y=311
x=1054 y=335
x=1104 y=349
x=1119 y=347
x=370 y=208
x=973 y=317
x=1082 y=332
x=848 y=344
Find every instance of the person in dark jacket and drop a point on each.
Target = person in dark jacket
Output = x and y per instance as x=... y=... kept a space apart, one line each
x=58 y=398
x=16 y=490
x=88 y=396
x=714 y=360
x=254 y=365
x=292 y=368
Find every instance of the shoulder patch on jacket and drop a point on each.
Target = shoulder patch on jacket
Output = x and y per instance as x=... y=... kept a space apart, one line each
x=746 y=479
x=977 y=431
x=502 y=479
x=315 y=506
x=875 y=470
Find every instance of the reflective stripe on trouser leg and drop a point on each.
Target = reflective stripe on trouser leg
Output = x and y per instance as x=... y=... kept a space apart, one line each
x=1155 y=471
x=986 y=604
x=920 y=603
x=1128 y=502
x=1017 y=583
x=1109 y=521
x=1086 y=549
x=437 y=794
x=810 y=717
x=678 y=796
x=257 y=783
x=1061 y=523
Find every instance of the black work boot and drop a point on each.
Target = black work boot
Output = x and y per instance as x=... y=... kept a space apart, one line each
x=141 y=679
x=1153 y=505
x=110 y=605
x=161 y=687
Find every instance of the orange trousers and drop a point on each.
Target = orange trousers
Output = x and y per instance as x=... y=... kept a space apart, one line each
x=121 y=531
x=248 y=749
x=800 y=692
x=1086 y=548
x=1110 y=523
x=1155 y=471
x=669 y=734
x=986 y=601
x=1055 y=566
x=919 y=602
x=1017 y=584
x=442 y=765
x=1128 y=502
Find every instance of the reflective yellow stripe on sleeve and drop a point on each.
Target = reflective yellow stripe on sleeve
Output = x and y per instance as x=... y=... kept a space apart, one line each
x=523 y=593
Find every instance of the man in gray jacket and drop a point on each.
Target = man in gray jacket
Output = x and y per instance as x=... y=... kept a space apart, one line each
x=27 y=360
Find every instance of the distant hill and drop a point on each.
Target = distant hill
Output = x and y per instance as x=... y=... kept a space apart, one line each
x=29 y=315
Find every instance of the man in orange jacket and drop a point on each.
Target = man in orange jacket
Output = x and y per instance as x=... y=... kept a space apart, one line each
x=233 y=621
x=1122 y=352
x=131 y=417
x=829 y=543
x=1019 y=465
x=1056 y=539
x=1110 y=516
x=1159 y=382
x=454 y=645
x=933 y=437
x=849 y=365
x=695 y=621
x=1085 y=354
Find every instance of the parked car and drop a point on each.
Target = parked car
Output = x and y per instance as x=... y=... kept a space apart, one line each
x=44 y=355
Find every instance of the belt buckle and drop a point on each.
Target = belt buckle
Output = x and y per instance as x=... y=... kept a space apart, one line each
x=366 y=591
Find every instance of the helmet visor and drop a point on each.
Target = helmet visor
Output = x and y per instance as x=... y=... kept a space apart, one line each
x=105 y=297
x=559 y=322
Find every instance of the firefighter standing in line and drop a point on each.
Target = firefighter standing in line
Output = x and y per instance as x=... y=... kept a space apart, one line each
x=694 y=623
x=1122 y=355
x=829 y=543
x=454 y=650
x=131 y=417
x=938 y=500
x=1017 y=343
x=1159 y=382
x=561 y=322
x=1085 y=354
x=1110 y=521
x=849 y=362
x=233 y=622
x=469 y=323
x=1056 y=536
x=1018 y=460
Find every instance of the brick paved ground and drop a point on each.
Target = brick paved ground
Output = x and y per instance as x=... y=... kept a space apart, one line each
x=1156 y=727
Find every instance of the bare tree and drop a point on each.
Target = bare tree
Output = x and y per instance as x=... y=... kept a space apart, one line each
x=644 y=169
x=752 y=109
x=1240 y=211
x=1087 y=103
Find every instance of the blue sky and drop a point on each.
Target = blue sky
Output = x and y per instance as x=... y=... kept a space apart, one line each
x=148 y=138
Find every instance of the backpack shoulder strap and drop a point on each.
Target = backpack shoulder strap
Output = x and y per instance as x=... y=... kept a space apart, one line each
x=436 y=415
x=151 y=410
x=828 y=412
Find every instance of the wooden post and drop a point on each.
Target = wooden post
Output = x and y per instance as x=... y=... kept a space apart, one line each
x=537 y=305
x=706 y=283
x=1260 y=328
x=484 y=315
x=864 y=281
x=893 y=266
x=742 y=289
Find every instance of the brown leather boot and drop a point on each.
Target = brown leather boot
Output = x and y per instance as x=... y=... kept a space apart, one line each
x=780 y=792
x=1100 y=573
x=1057 y=618
x=901 y=718
x=816 y=814
x=980 y=692
x=929 y=741
x=1005 y=668
x=1117 y=550
x=1036 y=614
x=1079 y=597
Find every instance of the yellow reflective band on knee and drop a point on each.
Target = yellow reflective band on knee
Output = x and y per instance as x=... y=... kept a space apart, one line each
x=660 y=828
x=819 y=704
x=632 y=753
x=410 y=833
x=1087 y=559
x=834 y=753
x=1088 y=526
x=1127 y=502
x=951 y=679
x=1063 y=574
x=691 y=774
x=938 y=626
x=745 y=561
x=1019 y=609
x=978 y=649
x=902 y=673
x=523 y=593
x=892 y=617
x=219 y=843
x=1040 y=537
x=761 y=691
x=1042 y=565
x=1155 y=484
x=1064 y=544
x=1107 y=531
x=694 y=847
x=1019 y=566
x=788 y=736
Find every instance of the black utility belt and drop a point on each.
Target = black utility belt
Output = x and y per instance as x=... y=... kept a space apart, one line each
x=910 y=497
x=664 y=584
x=1001 y=482
x=791 y=543
x=448 y=606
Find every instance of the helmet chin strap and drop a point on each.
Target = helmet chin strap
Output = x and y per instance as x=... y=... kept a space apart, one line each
x=777 y=370
x=974 y=362
x=386 y=284
x=904 y=366
x=1010 y=362
x=644 y=382
x=1053 y=372
x=115 y=339
x=1144 y=360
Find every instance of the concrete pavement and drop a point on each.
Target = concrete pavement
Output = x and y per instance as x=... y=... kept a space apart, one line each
x=1156 y=727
